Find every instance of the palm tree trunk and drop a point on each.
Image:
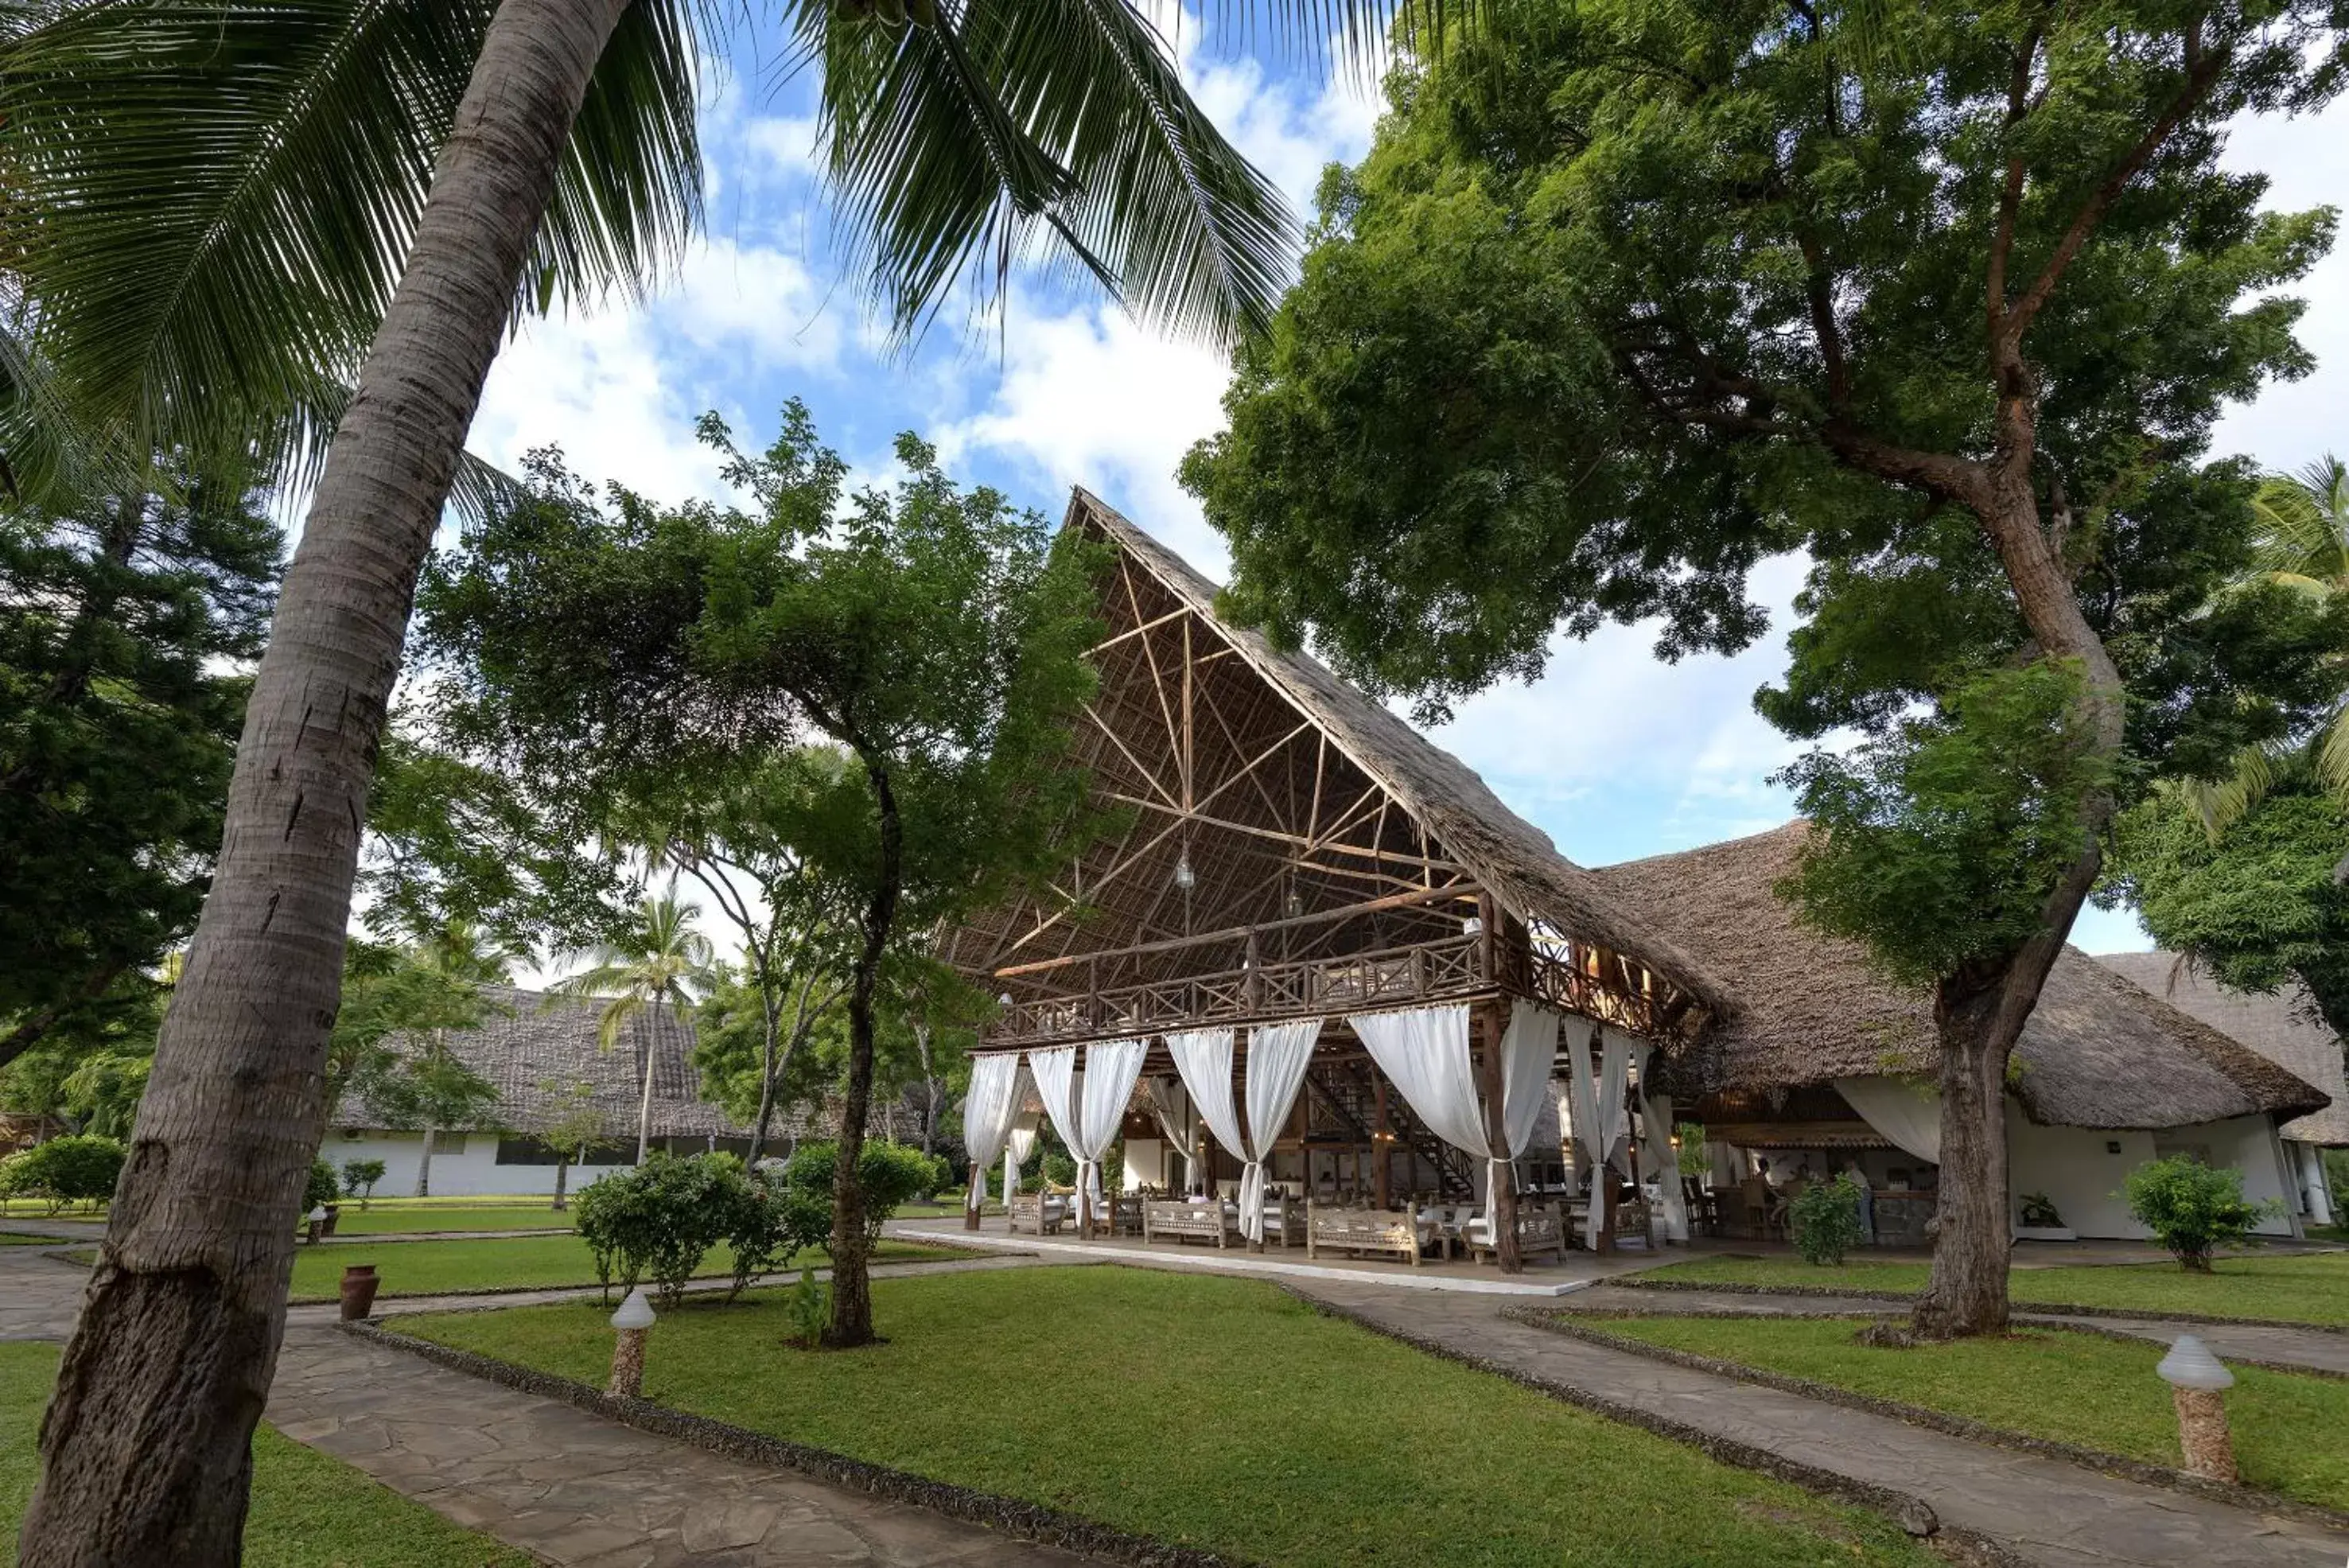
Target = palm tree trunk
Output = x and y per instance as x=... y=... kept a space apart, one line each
x=147 y=1447
x=645 y=1104
x=424 y=1164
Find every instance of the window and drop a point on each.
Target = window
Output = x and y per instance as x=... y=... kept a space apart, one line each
x=530 y=1151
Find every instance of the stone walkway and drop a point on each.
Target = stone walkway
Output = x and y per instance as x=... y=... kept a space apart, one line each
x=2044 y=1511
x=2311 y=1349
x=575 y=1489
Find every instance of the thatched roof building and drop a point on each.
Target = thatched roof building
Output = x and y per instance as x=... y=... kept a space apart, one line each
x=530 y=1038
x=2282 y=1027
x=2098 y=1051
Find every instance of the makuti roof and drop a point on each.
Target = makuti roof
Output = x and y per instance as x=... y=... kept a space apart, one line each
x=1511 y=857
x=529 y=1038
x=2098 y=1051
x=2282 y=1027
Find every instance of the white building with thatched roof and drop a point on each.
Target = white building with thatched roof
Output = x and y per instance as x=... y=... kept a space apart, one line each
x=529 y=1041
x=1823 y=1053
x=1326 y=986
x=2283 y=1026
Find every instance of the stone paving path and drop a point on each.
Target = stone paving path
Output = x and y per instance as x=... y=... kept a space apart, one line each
x=2044 y=1511
x=577 y=1489
x=2312 y=1349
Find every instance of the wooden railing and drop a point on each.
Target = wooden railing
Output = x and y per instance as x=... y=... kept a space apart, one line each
x=1451 y=969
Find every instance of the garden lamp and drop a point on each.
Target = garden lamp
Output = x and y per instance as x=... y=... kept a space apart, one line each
x=633 y=1320
x=2199 y=1381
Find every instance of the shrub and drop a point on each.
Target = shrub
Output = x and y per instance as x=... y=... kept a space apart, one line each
x=321 y=1188
x=1059 y=1169
x=2191 y=1208
x=890 y=1173
x=771 y=1225
x=83 y=1168
x=1826 y=1220
x=807 y=1308
x=658 y=1221
x=359 y=1177
x=2039 y=1211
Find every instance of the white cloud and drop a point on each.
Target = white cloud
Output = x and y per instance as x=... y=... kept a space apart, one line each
x=619 y=389
x=1090 y=399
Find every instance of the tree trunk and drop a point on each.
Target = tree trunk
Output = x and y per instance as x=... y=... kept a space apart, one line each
x=147 y=1447
x=929 y=1089
x=1979 y=1013
x=645 y=1102
x=424 y=1165
x=562 y=1183
x=852 y=1287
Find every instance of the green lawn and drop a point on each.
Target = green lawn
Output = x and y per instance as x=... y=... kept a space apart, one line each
x=1215 y=1412
x=10 y=1239
x=380 y=1220
x=2291 y=1433
x=2306 y=1287
x=513 y=1262
x=308 y=1511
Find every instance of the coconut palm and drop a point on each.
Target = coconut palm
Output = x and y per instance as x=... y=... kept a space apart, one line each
x=661 y=962
x=2302 y=543
x=213 y=215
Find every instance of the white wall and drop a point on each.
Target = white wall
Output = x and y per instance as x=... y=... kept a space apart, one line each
x=474 y=1172
x=1145 y=1163
x=2078 y=1168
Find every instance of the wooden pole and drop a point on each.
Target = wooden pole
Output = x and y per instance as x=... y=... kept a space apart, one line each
x=1378 y=1139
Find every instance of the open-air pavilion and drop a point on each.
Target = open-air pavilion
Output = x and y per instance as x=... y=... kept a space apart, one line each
x=1322 y=969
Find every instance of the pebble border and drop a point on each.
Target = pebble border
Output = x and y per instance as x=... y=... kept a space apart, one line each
x=1911 y=1513
x=1012 y=1517
x=1909 y=1298
x=2118 y=1465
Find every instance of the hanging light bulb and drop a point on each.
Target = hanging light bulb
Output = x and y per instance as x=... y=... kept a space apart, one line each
x=1185 y=877
x=1291 y=904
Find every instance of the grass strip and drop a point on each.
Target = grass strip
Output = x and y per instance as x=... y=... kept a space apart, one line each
x=309 y=1510
x=459 y=1266
x=2068 y=1387
x=1212 y=1413
x=2300 y=1288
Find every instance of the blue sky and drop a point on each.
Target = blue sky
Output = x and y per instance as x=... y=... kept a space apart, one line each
x=1612 y=753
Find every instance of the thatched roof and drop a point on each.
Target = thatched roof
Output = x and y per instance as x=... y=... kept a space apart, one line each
x=530 y=1038
x=2282 y=1027
x=2099 y=1052
x=1511 y=857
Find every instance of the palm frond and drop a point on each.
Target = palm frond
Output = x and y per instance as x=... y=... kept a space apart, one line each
x=226 y=193
x=2220 y=804
x=2333 y=755
x=1056 y=125
x=2303 y=526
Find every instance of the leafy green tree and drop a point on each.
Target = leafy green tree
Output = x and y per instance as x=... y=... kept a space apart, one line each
x=576 y=1124
x=390 y=1042
x=935 y=636
x=659 y=962
x=359 y=1177
x=292 y=234
x=2260 y=907
x=124 y=622
x=1628 y=296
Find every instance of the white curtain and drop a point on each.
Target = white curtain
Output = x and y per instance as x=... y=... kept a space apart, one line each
x=1425 y=1053
x=1204 y=1058
x=1614 y=1117
x=1581 y=1108
x=1277 y=1058
x=1169 y=1106
x=1656 y=1147
x=1907 y=1114
x=987 y=1112
x=1112 y=1067
x=1528 y=1051
x=1020 y=1142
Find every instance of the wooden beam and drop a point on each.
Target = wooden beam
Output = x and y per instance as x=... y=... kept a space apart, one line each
x=1239 y=933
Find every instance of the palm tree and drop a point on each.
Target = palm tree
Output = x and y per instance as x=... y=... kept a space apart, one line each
x=2301 y=543
x=661 y=962
x=949 y=134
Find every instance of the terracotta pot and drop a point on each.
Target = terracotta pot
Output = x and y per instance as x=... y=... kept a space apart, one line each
x=359 y=1284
